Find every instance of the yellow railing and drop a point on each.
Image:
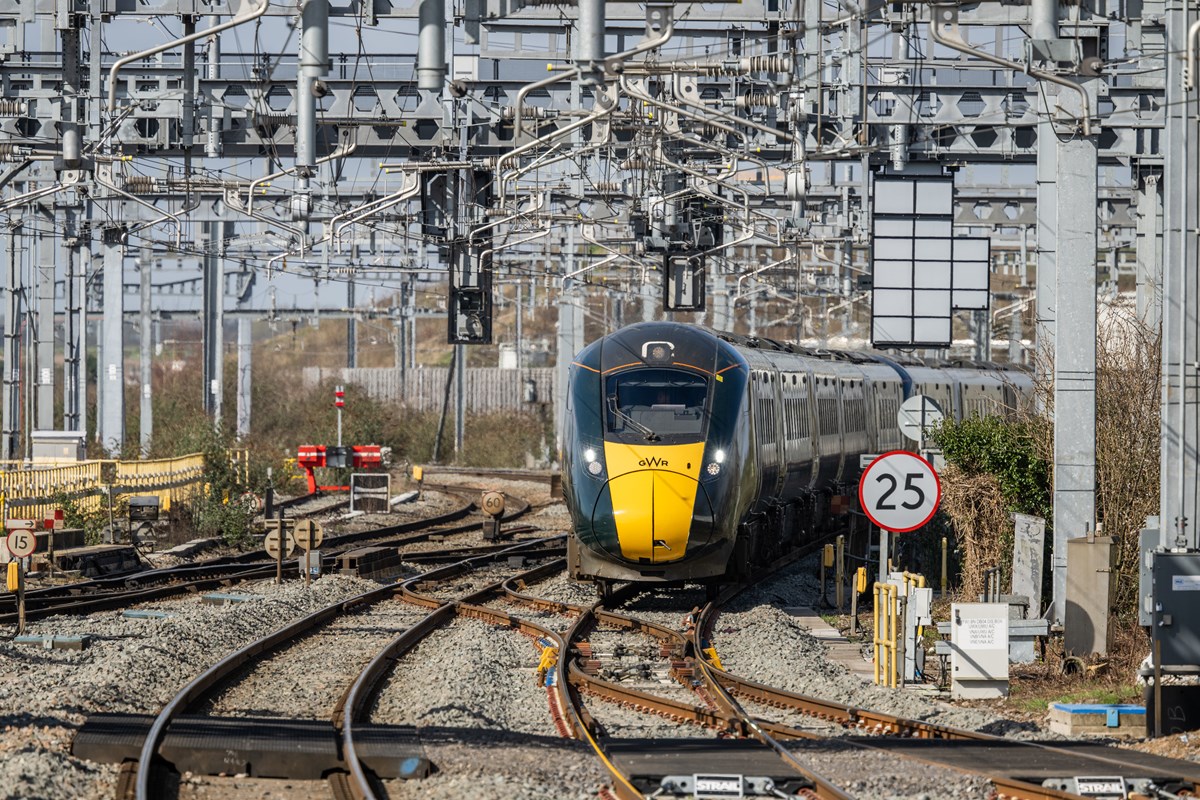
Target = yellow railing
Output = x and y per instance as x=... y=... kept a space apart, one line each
x=887 y=623
x=888 y=636
x=33 y=493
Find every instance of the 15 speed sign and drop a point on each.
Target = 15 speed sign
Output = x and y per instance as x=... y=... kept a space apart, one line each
x=899 y=491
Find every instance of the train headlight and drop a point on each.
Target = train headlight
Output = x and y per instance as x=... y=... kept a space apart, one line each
x=595 y=467
x=719 y=457
x=713 y=469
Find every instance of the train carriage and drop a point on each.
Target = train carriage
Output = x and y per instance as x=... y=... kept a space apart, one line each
x=690 y=454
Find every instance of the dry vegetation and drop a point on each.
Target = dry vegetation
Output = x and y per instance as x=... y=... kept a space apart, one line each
x=979 y=496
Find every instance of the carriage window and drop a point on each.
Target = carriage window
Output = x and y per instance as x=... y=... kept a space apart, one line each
x=652 y=403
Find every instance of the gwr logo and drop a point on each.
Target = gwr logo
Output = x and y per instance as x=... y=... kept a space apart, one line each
x=653 y=461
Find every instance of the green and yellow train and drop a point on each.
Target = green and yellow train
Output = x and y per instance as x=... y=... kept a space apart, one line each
x=693 y=455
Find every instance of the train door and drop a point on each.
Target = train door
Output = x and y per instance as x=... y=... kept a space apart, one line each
x=766 y=433
x=828 y=427
x=797 y=447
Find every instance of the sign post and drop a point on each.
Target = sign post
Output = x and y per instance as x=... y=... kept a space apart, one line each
x=309 y=535
x=279 y=543
x=21 y=544
x=339 y=402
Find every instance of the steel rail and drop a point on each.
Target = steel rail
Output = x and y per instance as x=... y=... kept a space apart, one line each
x=885 y=725
x=202 y=686
x=362 y=691
x=70 y=598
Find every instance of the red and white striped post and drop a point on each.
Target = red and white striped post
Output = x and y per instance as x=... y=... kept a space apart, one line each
x=339 y=401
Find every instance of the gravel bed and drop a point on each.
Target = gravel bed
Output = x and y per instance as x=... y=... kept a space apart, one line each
x=619 y=722
x=562 y=589
x=553 y=620
x=870 y=773
x=468 y=583
x=790 y=718
x=518 y=768
x=756 y=639
x=307 y=678
x=667 y=608
x=211 y=787
x=132 y=666
x=431 y=503
x=468 y=675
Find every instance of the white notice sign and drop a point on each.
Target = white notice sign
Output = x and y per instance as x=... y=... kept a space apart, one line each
x=979 y=650
x=986 y=634
x=1185 y=583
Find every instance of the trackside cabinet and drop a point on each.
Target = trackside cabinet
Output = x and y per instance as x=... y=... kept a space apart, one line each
x=1175 y=615
x=1177 y=607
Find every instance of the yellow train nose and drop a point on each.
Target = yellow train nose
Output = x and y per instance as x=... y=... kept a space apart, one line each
x=653 y=511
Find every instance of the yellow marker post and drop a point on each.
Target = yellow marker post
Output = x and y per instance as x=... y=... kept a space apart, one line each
x=860 y=586
x=840 y=573
x=16 y=583
x=418 y=474
x=826 y=563
x=945 y=572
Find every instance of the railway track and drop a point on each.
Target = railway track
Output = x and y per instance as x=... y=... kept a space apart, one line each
x=1014 y=768
x=431 y=601
x=103 y=594
x=772 y=755
x=771 y=737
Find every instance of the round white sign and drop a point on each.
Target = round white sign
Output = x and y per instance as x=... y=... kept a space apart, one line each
x=493 y=503
x=899 y=491
x=917 y=415
x=271 y=543
x=309 y=534
x=21 y=543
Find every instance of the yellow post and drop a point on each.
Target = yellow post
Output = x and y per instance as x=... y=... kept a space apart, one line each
x=893 y=645
x=945 y=572
x=886 y=635
x=840 y=573
x=878 y=607
x=826 y=563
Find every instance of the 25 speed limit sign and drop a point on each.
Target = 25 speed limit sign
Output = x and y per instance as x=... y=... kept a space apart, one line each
x=899 y=491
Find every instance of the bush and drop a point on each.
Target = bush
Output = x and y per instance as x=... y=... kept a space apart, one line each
x=1008 y=450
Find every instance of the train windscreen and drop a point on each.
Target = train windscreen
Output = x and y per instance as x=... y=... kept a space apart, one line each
x=654 y=403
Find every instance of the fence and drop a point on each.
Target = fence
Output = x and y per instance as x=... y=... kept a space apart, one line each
x=487 y=389
x=36 y=492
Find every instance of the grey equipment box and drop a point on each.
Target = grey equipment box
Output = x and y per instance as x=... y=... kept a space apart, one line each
x=1176 y=600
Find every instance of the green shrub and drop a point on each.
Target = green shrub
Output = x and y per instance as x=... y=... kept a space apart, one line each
x=1007 y=449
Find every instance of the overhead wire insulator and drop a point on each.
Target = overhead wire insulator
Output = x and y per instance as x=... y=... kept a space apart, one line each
x=13 y=108
x=529 y=112
x=769 y=63
x=609 y=187
x=752 y=100
x=140 y=184
x=634 y=162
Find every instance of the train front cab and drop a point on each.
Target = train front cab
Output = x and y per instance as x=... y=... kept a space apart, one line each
x=657 y=446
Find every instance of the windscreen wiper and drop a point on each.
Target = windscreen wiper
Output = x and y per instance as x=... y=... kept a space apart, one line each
x=650 y=435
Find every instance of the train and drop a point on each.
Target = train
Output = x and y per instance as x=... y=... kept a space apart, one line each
x=692 y=455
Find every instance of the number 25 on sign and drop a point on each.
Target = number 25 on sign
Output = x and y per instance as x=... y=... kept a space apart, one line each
x=899 y=491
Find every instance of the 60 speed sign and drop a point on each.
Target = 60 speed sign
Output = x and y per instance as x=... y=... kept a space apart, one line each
x=899 y=491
